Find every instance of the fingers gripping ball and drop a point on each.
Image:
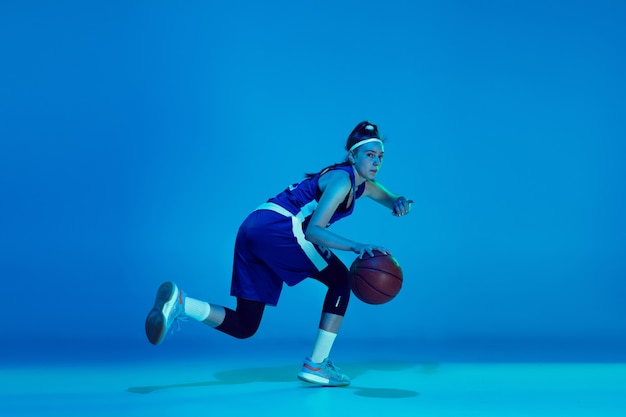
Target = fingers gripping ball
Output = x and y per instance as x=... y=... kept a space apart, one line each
x=376 y=279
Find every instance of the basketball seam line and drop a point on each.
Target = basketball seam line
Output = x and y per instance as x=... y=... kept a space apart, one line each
x=377 y=270
x=364 y=282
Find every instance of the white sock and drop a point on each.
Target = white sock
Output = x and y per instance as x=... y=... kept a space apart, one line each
x=197 y=309
x=323 y=344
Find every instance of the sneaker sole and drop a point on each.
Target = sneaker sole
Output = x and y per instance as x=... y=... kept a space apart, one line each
x=165 y=300
x=320 y=381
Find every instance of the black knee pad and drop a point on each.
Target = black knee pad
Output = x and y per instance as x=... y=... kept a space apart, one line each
x=243 y=322
x=335 y=277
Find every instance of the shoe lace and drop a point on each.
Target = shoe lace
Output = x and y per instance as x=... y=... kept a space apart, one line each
x=177 y=321
x=331 y=366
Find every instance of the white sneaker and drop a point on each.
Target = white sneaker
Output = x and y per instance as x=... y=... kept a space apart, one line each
x=169 y=306
x=325 y=374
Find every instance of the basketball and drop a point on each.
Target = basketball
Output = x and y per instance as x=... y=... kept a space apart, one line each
x=375 y=279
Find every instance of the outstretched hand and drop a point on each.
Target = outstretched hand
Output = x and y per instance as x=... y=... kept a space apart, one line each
x=401 y=206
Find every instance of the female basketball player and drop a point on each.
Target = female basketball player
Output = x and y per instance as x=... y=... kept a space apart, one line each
x=286 y=240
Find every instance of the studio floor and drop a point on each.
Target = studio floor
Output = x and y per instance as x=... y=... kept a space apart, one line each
x=259 y=382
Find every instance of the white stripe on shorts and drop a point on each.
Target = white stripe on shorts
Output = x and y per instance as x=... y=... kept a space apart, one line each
x=296 y=227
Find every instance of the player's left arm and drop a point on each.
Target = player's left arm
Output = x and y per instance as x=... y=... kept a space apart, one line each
x=398 y=204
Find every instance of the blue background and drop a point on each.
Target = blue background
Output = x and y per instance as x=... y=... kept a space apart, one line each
x=136 y=136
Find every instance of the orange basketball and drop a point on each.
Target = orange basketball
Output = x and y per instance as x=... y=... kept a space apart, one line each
x=376 y=279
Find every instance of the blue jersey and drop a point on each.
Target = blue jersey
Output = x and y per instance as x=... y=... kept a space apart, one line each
x=271 y=248
x=301 y=199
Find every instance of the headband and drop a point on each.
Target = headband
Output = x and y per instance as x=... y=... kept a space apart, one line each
x=363 y=142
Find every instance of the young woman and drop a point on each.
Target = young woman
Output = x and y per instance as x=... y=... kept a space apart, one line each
x=286 y=240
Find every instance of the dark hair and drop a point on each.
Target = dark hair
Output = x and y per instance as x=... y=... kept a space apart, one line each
x=362 y=131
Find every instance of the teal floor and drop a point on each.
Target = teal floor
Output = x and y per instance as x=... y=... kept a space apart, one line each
x=263 y=383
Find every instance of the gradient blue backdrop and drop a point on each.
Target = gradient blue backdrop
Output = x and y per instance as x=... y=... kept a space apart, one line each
x=136 y=136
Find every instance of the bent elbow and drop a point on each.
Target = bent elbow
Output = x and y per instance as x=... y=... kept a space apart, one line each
x=311 y=234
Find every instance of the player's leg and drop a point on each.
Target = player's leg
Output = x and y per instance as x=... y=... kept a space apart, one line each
x=318 y=368
x=172 y=304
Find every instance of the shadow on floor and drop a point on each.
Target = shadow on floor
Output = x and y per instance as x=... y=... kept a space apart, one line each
x=287 y=374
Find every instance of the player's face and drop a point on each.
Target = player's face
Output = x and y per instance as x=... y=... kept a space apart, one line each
x=368 y=159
